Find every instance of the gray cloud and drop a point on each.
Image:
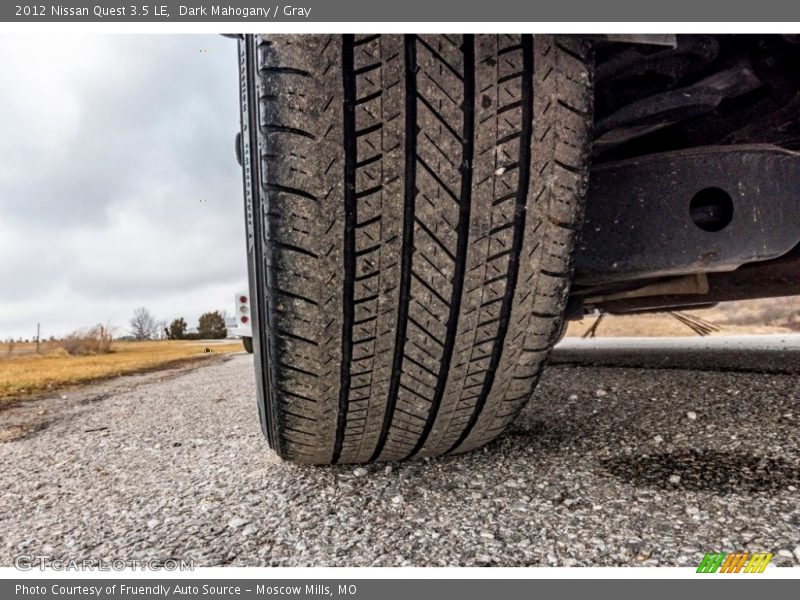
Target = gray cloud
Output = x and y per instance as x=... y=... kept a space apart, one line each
x=118 y=182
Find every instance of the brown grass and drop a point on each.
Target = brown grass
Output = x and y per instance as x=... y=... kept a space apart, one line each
x=96 y=340
x=23 y=372
x=663 y=325
x=773 y=312
x=767 y=315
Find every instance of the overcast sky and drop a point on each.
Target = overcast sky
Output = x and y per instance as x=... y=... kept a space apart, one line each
x=119 y=185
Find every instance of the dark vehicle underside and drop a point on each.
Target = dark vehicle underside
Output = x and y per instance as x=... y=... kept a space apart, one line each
x=693 y=195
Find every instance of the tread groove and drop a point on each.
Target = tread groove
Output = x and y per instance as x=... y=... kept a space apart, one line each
x=350 y=221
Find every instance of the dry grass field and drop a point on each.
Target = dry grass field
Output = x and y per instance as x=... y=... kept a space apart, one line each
x=23 y=372
x=771 y=315
x=661 y=325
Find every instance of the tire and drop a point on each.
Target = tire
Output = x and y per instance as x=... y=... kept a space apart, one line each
x=562 y=331
x=247 y=342
x=413 y=204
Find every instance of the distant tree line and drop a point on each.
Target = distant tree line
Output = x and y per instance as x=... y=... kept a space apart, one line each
x=211 y=326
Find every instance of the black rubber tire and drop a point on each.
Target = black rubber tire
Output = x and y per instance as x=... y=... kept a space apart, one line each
x=412 y=222
x=247 y=342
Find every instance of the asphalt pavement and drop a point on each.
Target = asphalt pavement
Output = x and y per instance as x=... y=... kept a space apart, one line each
x=628 y=454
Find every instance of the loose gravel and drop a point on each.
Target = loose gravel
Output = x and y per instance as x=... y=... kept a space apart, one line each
x=607 y=466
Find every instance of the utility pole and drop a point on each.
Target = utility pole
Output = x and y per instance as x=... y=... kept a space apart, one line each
x=38 y=330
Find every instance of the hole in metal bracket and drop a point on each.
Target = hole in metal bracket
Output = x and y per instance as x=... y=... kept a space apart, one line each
x=711 y=209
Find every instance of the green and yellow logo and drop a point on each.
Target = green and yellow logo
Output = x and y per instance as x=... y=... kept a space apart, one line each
x=740 y=562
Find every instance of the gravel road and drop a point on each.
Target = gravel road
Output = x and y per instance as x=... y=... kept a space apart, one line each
x=607 y=466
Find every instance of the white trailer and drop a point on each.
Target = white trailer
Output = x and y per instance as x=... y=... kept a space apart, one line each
x=243 y=328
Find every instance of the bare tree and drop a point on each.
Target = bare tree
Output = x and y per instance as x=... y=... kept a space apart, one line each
x=143 y=324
